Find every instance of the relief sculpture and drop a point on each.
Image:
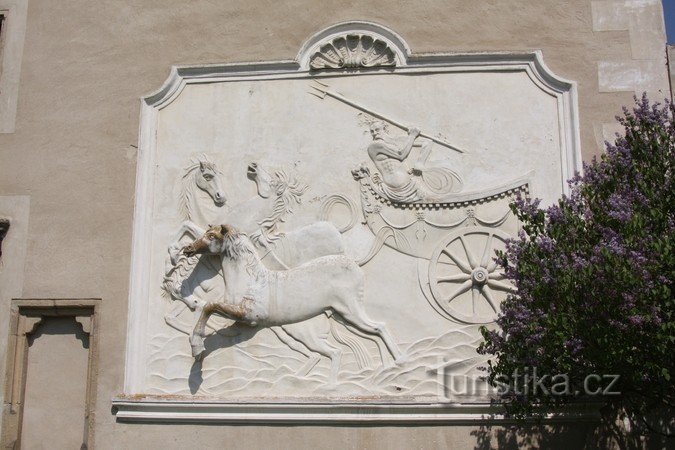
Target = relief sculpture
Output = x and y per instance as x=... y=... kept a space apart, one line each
x=198 y=282
x=257 y=296
x=401 y=183
x=301 y=285
x=282 y=291
x=413 y=208
x=335 y=242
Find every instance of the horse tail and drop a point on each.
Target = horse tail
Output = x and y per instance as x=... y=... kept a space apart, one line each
x=362 y=356
x=381 y=237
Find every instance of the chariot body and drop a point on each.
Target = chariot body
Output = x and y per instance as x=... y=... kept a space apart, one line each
x=455 y=240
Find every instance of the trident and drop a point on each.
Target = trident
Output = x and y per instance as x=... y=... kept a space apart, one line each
x=322 y=90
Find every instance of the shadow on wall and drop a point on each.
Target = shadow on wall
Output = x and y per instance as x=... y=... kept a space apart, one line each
x=579 y=435
x=60 y=326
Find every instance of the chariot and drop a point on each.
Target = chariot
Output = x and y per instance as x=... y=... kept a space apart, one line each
x=454 y=240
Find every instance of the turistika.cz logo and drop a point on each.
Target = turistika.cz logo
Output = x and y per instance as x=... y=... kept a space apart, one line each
x=528 y=383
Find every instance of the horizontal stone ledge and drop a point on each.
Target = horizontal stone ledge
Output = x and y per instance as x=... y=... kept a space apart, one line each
x=187 y=411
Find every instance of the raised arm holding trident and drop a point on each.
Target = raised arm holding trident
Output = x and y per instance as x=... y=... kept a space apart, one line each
x=322 y=90
x=389 y=157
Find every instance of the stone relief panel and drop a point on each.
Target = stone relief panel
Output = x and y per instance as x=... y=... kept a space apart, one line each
x=333 y=236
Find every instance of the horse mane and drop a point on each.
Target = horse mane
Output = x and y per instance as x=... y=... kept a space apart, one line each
x=289 y=195
x=238 y=246
x=172 y=284
x=188 y=185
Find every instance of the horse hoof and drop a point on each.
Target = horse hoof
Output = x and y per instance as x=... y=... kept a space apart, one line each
x=198 y=354
x=198 y=350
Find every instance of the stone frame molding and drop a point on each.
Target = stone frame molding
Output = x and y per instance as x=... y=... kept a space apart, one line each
x=25 y=317
x=128 y=409
x=134 y=404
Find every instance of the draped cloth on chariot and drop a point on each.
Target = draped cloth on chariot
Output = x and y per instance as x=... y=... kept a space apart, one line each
x=435 y=184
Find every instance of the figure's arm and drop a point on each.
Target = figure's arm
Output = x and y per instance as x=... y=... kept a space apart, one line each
x=412 y=135
x=391 y=151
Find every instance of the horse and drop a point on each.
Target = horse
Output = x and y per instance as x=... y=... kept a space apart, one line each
x=259 y=297
x=202 y=200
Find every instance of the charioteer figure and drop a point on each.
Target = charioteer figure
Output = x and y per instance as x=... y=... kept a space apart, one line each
x=401 y=183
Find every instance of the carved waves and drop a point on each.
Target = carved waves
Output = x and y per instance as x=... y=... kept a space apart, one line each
x=267 y=368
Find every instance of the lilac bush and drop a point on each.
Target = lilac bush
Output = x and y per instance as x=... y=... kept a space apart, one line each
x=594 y=276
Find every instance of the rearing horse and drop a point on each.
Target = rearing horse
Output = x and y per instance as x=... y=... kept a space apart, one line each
x=202 y=201
x=260 y=297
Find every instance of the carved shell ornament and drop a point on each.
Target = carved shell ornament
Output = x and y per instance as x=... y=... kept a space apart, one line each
x=353 y=51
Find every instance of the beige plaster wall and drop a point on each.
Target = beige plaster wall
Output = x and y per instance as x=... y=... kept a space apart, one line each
x=84 y=66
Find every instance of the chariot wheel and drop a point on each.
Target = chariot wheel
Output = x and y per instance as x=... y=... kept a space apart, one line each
x=464 y=278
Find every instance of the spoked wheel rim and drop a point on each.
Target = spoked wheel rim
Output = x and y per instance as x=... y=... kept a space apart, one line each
x=464 y=278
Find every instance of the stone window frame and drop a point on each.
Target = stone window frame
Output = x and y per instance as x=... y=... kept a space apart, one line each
x=26 y=316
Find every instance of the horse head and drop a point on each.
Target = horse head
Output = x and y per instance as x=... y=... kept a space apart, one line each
x=261 y=178
x=361 y=172
x=207 y=178
x=212 y=242
x=219 y=239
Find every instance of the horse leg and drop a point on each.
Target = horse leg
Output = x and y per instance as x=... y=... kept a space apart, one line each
x=360 y=352
x=299 y=347
x=318 y=344
x=374 y=337
x=171 y=319
x=358 y=319
x=232 y=312
x=199 y=332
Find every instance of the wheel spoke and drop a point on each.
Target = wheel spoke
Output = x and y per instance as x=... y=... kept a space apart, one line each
x=460 y=290
x=451 y=278
x=488 y=296
x=500 y=286
x=461 y=264
x=497 y=276
x=492 y=266
x=446 y=263
x=469 y=256
x=475 y=296
x=486 y=253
